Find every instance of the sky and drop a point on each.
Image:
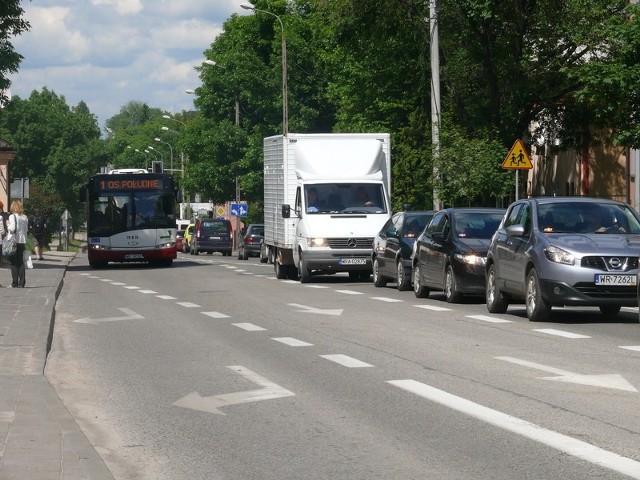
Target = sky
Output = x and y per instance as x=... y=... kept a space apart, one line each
x=108 y=53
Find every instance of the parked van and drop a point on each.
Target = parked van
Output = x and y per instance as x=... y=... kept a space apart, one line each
x=212 y=235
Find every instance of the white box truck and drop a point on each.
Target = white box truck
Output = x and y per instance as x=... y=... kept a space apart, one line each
x=325 y=198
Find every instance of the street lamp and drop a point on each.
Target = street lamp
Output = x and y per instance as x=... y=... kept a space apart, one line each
x=169 y=117
x=157 y=151
x=285 y=107
x=167 y=129
x=170 y=150
x=236 y=101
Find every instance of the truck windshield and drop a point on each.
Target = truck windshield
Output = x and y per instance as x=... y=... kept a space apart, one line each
x=347 y=198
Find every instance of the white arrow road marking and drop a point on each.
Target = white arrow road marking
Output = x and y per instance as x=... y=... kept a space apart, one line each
x=563 y=443
x=612 y=380
x=131 y=315
x=319 y=311
x=269 y=391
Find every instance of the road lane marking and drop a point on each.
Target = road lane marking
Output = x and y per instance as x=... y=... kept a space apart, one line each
x=215 y=314
x=318 y=311
x=433 y=308
x=131 y=287
x=550 y=438
x=166 y=297
x=106 y=280
x=129 y=315
x=486 y=318
x=188 y=304
x=147 y=291
x=635 y=348
x=311 y=286
x=349 y=292
x=212 y=404
x=249 y=327
x=560 y=333
x=346 y=361
x=292 y=342
x=612 y=380
x=118 y=284
x=387 y=299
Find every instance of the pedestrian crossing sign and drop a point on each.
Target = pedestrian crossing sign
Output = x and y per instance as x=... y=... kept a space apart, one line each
x=517 y=158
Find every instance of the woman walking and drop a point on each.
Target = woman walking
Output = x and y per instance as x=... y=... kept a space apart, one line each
x=17 y=227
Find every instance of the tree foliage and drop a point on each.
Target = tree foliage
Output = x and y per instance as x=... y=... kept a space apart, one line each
x=12 y=24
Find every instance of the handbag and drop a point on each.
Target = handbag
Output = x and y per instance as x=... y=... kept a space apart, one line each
x=9 y=246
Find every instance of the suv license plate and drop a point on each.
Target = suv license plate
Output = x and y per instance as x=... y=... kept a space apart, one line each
x=352 y=261
x=615 y=279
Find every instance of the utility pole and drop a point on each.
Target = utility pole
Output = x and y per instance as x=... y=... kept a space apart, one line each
x=435 y=100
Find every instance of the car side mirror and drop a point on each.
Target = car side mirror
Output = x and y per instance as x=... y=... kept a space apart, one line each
x=286 y=211
x=438 y=236
x=515 y=230
x=392 y=232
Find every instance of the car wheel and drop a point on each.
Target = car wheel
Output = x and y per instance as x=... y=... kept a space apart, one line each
x=537 y=308
x=450 y=292
x=303 y=272
x=404 y=279
x=419 y=290
x=245 y=254
x=378 y=280
x=610 y=309
x=496 y=301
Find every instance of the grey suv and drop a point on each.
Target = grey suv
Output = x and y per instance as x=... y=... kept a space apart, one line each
x=564 y=251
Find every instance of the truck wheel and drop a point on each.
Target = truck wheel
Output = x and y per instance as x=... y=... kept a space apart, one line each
x=537 y=308
x=263 y=253
x=404 y=280
x=282 y=271
x=378 y=280
x=303 y=272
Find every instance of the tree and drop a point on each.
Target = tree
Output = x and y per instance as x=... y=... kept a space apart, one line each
x=12 y=24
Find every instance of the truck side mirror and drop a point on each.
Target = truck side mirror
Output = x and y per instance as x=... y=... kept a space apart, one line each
x=286 y=211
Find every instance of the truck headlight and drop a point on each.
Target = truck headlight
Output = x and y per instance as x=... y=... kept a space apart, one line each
x=317 y=242
x=559 y=255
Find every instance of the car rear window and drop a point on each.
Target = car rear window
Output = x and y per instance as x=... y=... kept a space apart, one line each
x=215 y=227
x=257 y=231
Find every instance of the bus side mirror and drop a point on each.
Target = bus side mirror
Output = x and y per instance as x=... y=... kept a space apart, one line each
x=286 y=211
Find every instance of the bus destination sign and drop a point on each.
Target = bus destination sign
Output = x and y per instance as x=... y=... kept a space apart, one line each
x=131 y=184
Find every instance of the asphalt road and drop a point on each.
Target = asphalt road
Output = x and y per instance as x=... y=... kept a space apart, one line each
x=213 y=369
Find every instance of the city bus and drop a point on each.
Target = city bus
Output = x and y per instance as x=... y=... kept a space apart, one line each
x=131 y=217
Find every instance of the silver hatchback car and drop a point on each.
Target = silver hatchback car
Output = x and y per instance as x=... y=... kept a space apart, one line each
x=564 y=251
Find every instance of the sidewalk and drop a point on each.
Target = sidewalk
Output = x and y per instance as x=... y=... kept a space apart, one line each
x=39 y=440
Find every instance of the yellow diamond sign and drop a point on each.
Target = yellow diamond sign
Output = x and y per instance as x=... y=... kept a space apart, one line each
x=517 y=158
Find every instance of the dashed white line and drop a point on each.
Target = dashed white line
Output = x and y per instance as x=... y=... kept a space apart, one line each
x=292 y=342
x=314 y=286
x=147 y=291
x=249 y=327
x=349 y=292
x=486 y=318
x=635 y=348
x=433 y=308
x=131 y=287
x=387 y=299
x=188 y=304
x=563 y=443
x=215 y=314
x=346 y=361
x=560 y=333
x=166 y=297
x=118 y=284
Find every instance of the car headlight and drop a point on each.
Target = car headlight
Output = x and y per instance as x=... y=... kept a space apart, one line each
x=558 y=255
x=317 y=242
x=471 y=259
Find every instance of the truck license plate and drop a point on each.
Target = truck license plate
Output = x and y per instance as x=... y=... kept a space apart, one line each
x=352 y=261
x=616 y=279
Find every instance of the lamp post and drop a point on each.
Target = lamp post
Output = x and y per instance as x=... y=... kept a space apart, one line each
x=170 y=150
x=285 y=107
x=169 y=117
x=156 y=151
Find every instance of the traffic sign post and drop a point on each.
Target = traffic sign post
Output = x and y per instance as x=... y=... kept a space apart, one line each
x=517 y=159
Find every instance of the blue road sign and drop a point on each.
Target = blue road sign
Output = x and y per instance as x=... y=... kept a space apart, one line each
x=239 y=209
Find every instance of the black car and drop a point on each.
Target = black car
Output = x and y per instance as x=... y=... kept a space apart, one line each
x=250 y=240
x=393 y=246
x=212 y=235
x=451 y=253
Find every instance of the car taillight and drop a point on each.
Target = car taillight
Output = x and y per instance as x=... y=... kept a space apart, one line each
x=248 y=239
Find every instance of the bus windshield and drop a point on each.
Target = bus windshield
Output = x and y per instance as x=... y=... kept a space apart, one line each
x=118 y=212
